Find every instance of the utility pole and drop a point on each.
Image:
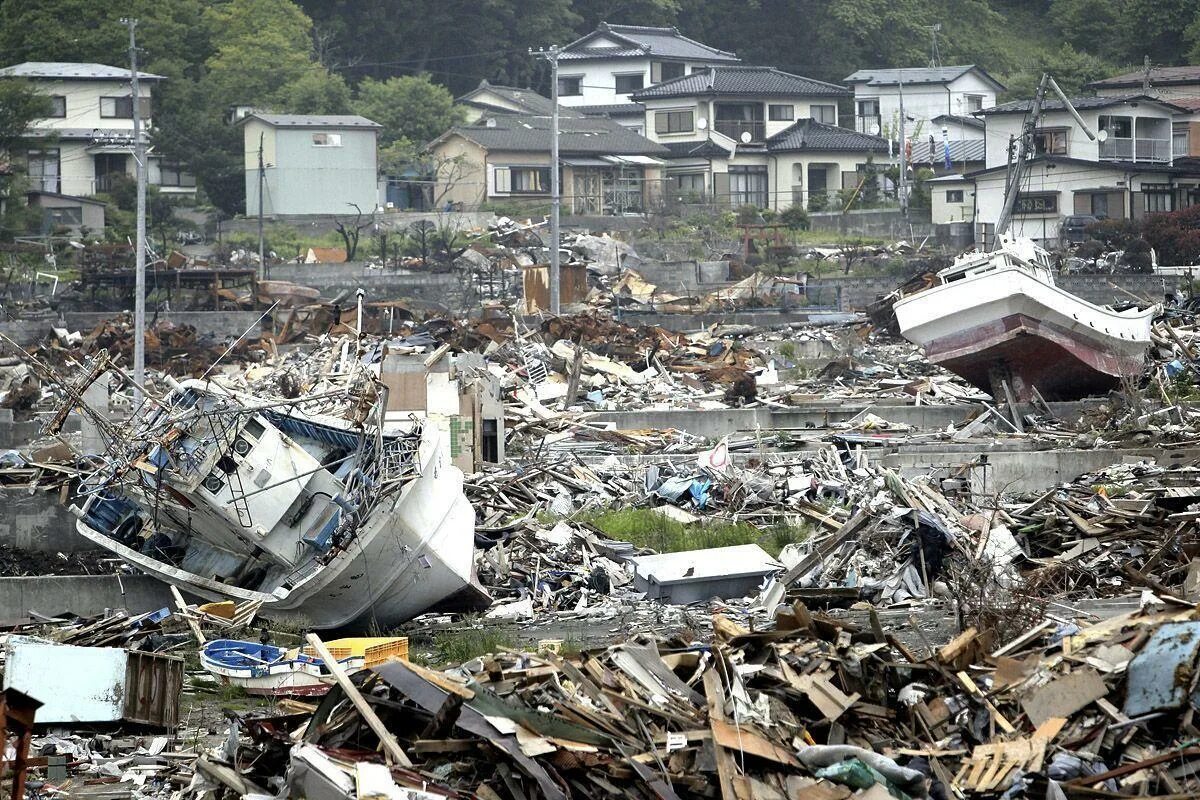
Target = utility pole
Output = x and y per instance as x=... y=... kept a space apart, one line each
x=551 y=54
x=139 y=157
x=262 y=179
x=903 y=185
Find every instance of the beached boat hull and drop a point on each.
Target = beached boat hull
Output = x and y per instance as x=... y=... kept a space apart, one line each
x=1012 y=325
x=415 y=552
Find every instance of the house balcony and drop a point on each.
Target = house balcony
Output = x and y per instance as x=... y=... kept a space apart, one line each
x=734 y=128
x=1136 y=149
x=870 y=123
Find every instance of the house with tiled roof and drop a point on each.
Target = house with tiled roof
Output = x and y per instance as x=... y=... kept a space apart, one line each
x=1120 y=164
x=754 y=135
x=602 y=69
x=607 y=169
x=928 y=92
x=86 y=143
x=489 y=99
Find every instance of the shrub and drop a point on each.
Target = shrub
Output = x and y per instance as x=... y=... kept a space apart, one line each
x=1175 y=235
x=748 y=215
x=1137 y=255
x=795 y=217
x=1089 y=250
x=1115 y=233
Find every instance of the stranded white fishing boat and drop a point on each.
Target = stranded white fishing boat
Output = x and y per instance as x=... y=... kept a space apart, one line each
x=267 y=671
x=999 y=316
x=307 y=504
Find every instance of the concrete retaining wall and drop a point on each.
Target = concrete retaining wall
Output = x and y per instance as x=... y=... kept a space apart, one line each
x=206 y=323
x=81 y=594
x=332 y=279
x=39 y=523
x=858 y=292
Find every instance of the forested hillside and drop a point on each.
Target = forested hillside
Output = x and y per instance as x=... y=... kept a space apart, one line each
x=407 y=58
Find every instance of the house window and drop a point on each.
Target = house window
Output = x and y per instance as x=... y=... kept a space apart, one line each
x=826 y=114
x=665 y=70
x=868 y=116
x=122 y=107
x=58 y=106
x=570 y=85
x=1180 y=140
x=1158 y=197
x=522 y=180
x=174 y=175
x=627 y=84
x=674 y=121
x=688 y=184
x=66 y=216
x=954 y=195
x=43 y=169
x=327 y=140
x=781 y=112
x=748 y=186
x=1117 y=127
x=1050 y=141
x=974 y=102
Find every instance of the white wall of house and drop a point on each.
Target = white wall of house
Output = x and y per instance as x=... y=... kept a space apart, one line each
x=787 y=110
x=922 y=102
x=952 y=199
x=598 y=77
x=1061 y=184
x=81 y=104
x=1149 y=134
x=796 y=176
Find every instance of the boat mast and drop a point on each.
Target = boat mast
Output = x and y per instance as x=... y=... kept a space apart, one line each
x=1018 y=166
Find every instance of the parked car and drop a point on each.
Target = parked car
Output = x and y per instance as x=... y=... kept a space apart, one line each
x=1074 y=228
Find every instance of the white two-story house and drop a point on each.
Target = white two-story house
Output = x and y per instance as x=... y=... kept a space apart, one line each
x=749 y=135
x=1126 y=172
x=929 y=93
x=599 y=73
x=88 y=138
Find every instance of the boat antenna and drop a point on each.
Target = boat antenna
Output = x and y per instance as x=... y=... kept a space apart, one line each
x=236 y=341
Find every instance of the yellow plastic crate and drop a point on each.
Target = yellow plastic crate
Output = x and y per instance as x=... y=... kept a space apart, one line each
x=372 y=649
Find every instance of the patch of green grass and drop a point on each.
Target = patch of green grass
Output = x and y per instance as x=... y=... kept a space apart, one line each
x=645 y=527
x=788 y=350
x=455 y=647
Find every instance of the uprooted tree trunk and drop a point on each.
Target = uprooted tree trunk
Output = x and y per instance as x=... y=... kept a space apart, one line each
x=350 y=232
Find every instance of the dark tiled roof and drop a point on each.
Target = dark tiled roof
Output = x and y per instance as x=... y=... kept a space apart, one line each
x=578 y=135
x=808 y=134
x=1080 y=103
x=612 y=110
x=961 y=151
x=1159 y=76
x=914 y=75
x=702 y=149
x=71 y=70
x=741 y=80
x=527 y=101
x=958 y=119
x=643 y=41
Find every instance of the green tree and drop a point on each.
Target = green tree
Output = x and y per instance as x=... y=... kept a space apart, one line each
x=1157 y=28
x=1087 y=25
x=412 y=108
x=20 y=104
x=315 y=92
x=1069 y=67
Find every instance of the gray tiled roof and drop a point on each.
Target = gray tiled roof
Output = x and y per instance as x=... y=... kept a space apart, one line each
x=961 y=151
x=958 y=119
x=1159 y=76
x=701 y=149
x=527 y=100
x=643 y=41
x=314 y=120
x=808 y=134
x=1080 y=103
x=741 y=80
x=612 y=110
x=578 y=135
x=70 y=70
x=914 y=75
